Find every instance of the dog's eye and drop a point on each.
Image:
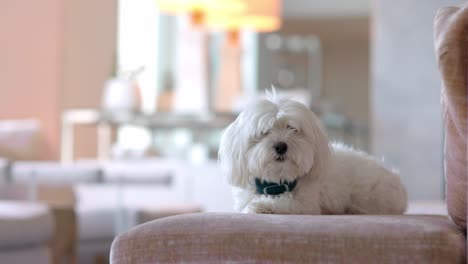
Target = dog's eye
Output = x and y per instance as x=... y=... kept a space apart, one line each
x=292 y=128
x=265 y=133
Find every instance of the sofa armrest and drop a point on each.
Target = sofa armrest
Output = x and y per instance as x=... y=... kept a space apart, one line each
x=25 y=224
x=246 y=238
x=451 y=44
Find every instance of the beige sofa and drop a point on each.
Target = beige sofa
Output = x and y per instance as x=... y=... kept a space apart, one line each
x=240 y=238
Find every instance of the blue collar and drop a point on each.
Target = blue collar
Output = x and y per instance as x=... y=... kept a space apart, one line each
x=274 y=188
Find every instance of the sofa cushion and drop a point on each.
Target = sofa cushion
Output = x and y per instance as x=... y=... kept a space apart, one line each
x=24 y=224
x=451 y=25
x=427 y=207
x=216 y=237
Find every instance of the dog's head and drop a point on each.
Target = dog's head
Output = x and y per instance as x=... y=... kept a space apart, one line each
x=274 y=140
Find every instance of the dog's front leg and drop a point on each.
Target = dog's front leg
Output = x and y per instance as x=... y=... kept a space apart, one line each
x=260 y=204
x=281 y=204
x=293 y=204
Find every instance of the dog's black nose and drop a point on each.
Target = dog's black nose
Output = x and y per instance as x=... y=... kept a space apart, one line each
x=281 y=148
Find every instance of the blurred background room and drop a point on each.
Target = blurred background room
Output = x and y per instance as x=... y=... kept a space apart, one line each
x=111 y=111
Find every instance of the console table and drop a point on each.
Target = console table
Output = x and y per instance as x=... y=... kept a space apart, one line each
x=106 y=121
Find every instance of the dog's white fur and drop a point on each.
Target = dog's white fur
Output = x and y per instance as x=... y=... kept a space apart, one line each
x=331 y=178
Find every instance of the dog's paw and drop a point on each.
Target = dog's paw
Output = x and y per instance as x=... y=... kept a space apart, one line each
x=258 y=208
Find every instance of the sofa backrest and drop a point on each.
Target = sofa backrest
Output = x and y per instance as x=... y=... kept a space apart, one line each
x=451 y=44
x=51 y=172
x=21 y=139
x=50 y=182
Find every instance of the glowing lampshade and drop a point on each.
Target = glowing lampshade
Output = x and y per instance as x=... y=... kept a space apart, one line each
x=198 y=9
x=187 y=6
x=228 y=15
x=258 y=15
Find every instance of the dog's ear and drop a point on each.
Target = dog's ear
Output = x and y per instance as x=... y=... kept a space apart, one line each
x=231 y=155
x=322 y=149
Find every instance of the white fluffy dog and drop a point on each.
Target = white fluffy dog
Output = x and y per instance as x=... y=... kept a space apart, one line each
x=279 y=160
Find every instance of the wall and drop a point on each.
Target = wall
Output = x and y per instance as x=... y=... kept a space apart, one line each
x=405 y=94
x=89 y=30
x=55 y=55
x=345 y=44
x=30 y=64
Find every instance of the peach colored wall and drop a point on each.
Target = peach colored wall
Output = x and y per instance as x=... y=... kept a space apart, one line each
x=90 y=42
x=30 y=73
x=88 y=55
x=55 y=55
